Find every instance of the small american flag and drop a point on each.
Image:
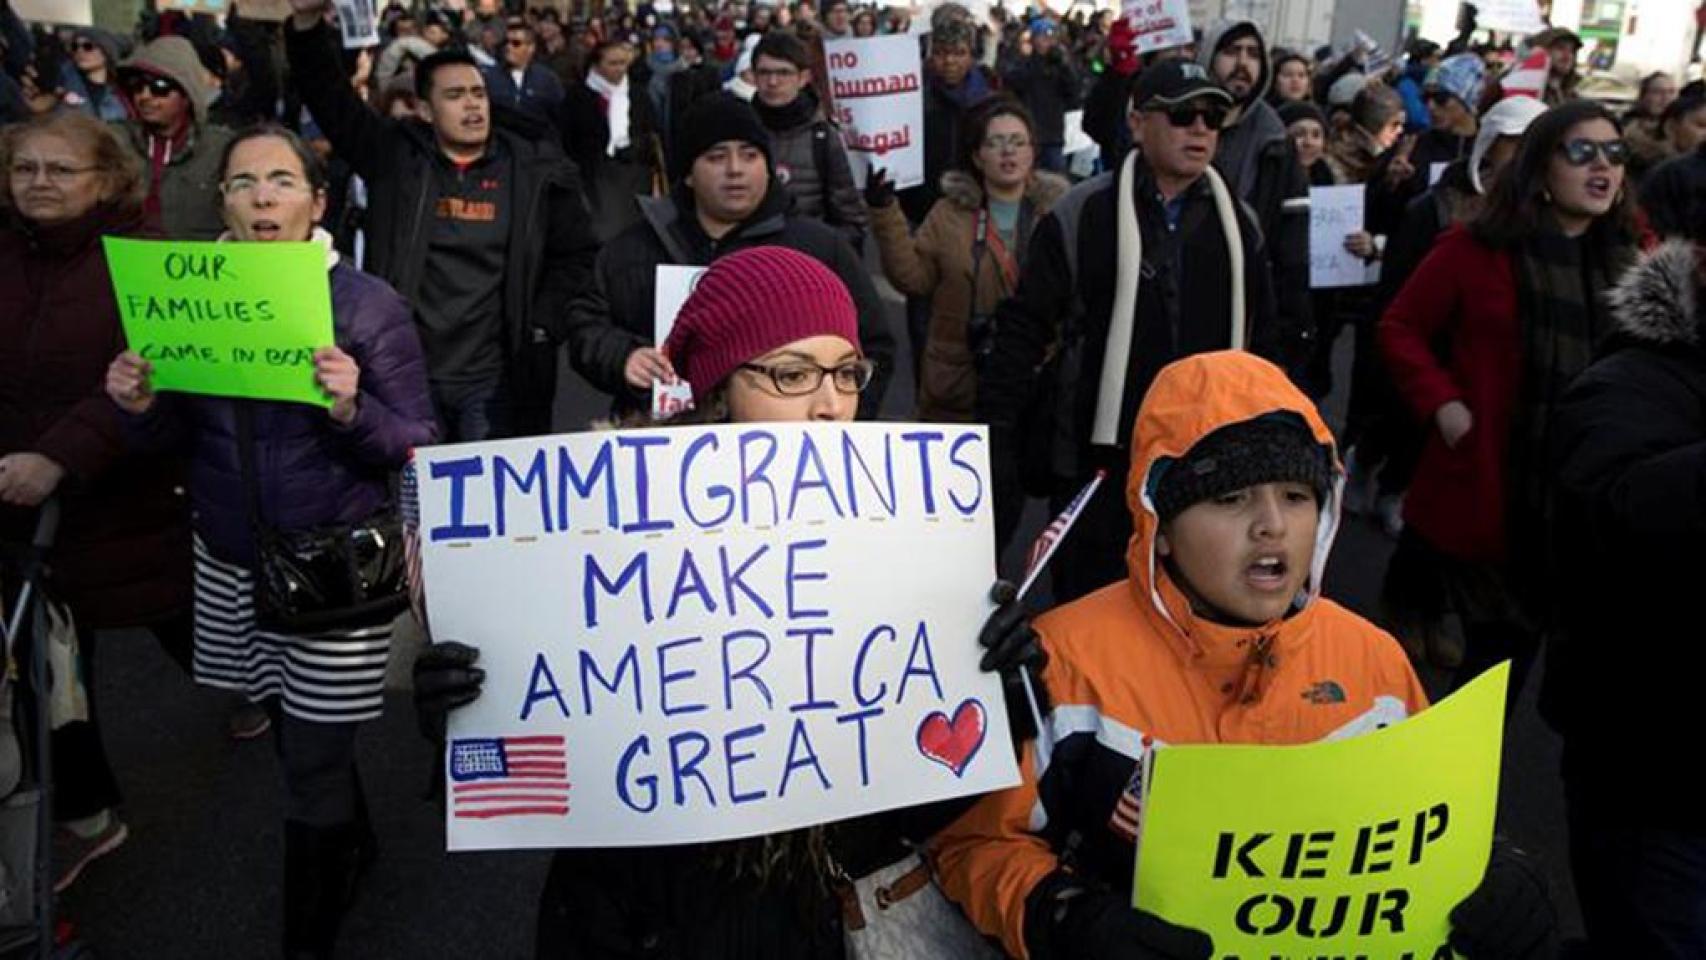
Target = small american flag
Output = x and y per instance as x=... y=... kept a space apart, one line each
x=409 y=507
x=1128 y=810
x=509 y=777
x=1044 y=546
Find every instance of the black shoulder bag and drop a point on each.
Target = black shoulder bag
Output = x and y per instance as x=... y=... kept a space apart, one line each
x=331 y=577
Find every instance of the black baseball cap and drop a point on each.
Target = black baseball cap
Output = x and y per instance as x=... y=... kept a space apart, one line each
x=1173 y=82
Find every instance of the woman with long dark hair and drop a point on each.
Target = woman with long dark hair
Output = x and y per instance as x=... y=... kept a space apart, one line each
x=1517 y=301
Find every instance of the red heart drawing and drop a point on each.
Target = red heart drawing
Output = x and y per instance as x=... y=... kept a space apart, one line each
x=952 y=743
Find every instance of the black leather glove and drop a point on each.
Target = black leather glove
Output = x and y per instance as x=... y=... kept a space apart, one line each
x=445 y=678
x=879 y=189
x=1067 y=920
x=1510 y=916
x=1011 y=648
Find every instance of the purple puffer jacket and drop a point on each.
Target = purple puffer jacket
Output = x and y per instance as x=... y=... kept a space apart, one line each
x=312 y=470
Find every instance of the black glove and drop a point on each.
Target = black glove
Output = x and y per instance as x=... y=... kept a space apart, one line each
x=1067 y=920
x=879 y=189
x=445 y=678
x=1510 y=916
x=1011 y=648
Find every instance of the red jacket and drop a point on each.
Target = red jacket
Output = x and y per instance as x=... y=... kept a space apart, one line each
x=1462 y=300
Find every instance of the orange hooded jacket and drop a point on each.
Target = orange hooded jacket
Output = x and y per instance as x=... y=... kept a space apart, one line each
x=1131 y=667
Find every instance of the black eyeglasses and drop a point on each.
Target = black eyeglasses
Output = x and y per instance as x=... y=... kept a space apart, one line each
x=1184 y=116
x=799 y=378
x=1580 y=153
x=156 y=86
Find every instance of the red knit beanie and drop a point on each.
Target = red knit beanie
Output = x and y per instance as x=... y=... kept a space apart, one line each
x=748 y=304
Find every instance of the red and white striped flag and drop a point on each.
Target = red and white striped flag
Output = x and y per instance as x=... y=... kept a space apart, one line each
x=509 y=777
x=1049 y=540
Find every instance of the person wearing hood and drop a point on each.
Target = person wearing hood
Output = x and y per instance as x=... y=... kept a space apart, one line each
x=166 y=94
x=1127 y=273
x=1628 y=450
x=89 y=80
x=1215 y=634
x=521 y=82
x=1045 y=82
x=1257 y=160
x=725 y=196
x=481 y=228
x=611 y=132
x=1292 y=80
x=809 y=156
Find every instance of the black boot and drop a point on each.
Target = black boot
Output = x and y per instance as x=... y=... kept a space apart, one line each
x=322 y=866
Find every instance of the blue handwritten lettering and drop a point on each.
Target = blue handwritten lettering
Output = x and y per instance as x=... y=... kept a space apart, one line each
x=683 y=771
x=751 y=476
x=637 y=567
x=642 y=482
x=796 y=576
x=859 y=666
x=534 y=478
x=966 y=508
x=859 y=717
x=923 y=438
x=801 y=754
x=920 y=645
x=731 y=759
x=541 y=685
x=850 y=455
x=746 y=672
x=690 y=572
x=459 y=471
x=811 y=702
x=819 y=480
x=630 y=661
x=569 y=477
x=715 y=492
x=641 y=746
x=733 y=578
x=666 y=677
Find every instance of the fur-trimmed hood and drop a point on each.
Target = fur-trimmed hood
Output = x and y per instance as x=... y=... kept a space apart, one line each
x=1658 y=300
x=964 y=190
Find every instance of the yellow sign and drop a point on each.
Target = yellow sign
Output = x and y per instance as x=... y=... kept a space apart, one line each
x=1357 y=847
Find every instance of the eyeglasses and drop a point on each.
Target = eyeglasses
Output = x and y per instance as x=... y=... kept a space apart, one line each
x=1001 y=143
x=243 y=184
x=156 y=86
x=1184 y=116
x=795 y=379
x=57 y=173
x=776 y=73
x=1580 y=153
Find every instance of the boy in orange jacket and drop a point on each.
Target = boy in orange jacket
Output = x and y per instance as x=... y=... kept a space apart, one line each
x=1218 y=635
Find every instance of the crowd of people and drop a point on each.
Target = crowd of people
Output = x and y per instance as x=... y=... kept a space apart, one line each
x=496 y=188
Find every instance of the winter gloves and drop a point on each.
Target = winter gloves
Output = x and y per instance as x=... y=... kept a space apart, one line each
x=879 y=189
x=1066 y=919
x=445 y=678
x=1510 y=915
x=1011 y=646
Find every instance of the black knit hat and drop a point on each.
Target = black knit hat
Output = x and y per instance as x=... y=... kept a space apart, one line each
x=713 y=120
x=1240 y=455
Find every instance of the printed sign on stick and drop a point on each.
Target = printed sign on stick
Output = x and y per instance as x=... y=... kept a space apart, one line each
x=879 y=105
x=1159 y=24
x=1335 y=213
x=704 y=633
x=1354 y=847
x=230 y=319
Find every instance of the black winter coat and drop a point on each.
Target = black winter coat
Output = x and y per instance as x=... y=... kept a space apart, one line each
x=1183 y=308
x=1674 y=195
x=613 y=315
x=1628 y=445
x=1048 y=87
x=551 y=245
x=586 y=131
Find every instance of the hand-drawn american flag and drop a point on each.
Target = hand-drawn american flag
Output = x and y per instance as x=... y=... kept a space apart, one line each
x=509 y=777
x=409 y=508
x=1043 y=547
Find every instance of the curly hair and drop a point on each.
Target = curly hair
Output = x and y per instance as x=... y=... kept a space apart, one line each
x=124 y=173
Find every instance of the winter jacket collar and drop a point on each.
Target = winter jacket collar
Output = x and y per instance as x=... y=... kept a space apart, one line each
x=1189 y=400
x=65 y=239
x=791 y=117
x=677 y=219
x=1658 y=300
x=965 y=192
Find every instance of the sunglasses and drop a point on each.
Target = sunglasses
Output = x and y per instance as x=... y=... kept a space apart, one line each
x=1580 y=153
x=156 y=86
x=84 y=46
x=1184 y=116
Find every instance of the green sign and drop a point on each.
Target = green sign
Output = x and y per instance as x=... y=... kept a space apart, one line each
x=228 y=319
x=1355 y=847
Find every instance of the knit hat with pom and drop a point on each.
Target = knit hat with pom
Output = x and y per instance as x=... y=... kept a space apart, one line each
x=748 y=304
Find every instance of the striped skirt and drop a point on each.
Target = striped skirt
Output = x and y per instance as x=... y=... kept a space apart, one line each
x=332 y=677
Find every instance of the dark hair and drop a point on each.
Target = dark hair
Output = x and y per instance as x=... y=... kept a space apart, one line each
x=312 y=166
x=783 y=46
x=1690 y=99
x=433 y=62
x=1648 y=81
x=522 y=26
x=976 y=127
x=603 y=47
x=1374 y=107
x=1516 y=207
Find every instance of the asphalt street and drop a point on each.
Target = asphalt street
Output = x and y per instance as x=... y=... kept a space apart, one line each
x=200 y=876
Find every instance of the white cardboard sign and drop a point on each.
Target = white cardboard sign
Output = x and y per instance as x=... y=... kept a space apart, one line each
x=878 y=85
x=1159 y=24
x=1335 y=212
x=66 y=12
x=1077 y=140
x=703 y=633
x=358 y=23
x=674 y=285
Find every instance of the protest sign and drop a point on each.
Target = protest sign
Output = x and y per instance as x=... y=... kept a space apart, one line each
x=358 y=23
x=1334 y=213
x=674 y=284
x=230 y=319
x=879 y=105
x=1510 y=16
x=1436 y=170
x=71 y=12
x=1077 y=141
x=210 y=7
x=274 y=11
x=1354 y=847
x=1159 y=24
x=704 y=633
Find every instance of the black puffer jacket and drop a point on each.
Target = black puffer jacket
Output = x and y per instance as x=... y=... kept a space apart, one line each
x=613 y=315
x=1629 y=458
x=551 y=246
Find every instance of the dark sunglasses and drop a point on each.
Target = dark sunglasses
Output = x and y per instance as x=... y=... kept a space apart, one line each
x=1183 y=116
x=1580 y=153
x=156 y=86
x=84 y=46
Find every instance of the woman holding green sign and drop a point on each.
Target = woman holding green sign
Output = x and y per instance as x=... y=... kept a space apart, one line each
x=274 y=483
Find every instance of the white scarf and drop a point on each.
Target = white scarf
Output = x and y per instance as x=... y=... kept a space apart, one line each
x=616 y=109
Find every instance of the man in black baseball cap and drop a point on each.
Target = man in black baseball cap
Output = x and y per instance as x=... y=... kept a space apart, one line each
x=1191 y=278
